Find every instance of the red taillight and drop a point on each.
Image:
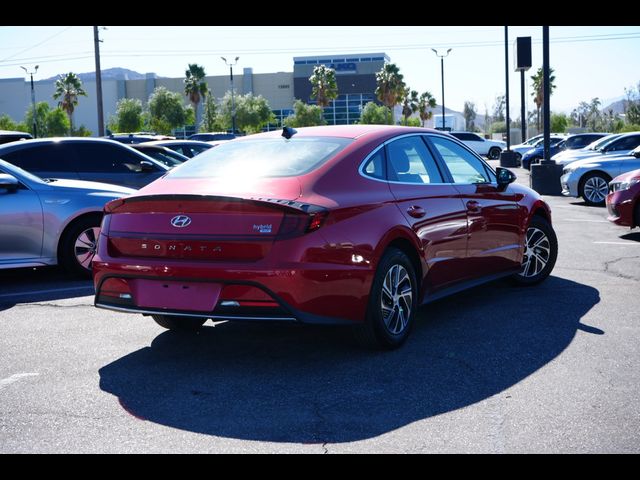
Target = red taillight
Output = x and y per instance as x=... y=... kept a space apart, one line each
x=116 y=287
x=316 y=221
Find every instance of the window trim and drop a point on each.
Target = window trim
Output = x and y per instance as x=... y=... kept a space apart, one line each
x=445 y=174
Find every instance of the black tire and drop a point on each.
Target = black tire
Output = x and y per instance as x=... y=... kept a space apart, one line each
x=78 y=245
x=380 y=331
x=535 y=252
x=182 y=324
x=519 y=159
x=594 y=180
x=494 y=153
x=636 y=217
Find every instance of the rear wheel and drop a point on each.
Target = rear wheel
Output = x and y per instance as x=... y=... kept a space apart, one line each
x=392 y=303
x=78 y=245
x=183 y=324
x=540 y=253
x=594 y=188
x=494 y=153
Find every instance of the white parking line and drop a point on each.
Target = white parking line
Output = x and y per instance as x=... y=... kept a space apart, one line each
x=5 y=382
x=619 y=243
x=40 y=292
x=585 y=221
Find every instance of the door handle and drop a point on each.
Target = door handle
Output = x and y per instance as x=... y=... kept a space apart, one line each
x=416 y=212
x=473 y=206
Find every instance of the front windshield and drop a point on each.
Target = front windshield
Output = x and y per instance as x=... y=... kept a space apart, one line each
x=602 y=142
x=261 y=157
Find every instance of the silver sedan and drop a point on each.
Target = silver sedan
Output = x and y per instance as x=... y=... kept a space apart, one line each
x=590 y=178
x=48 y=221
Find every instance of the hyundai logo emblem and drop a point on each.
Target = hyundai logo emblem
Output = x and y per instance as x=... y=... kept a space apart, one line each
x=181 y=221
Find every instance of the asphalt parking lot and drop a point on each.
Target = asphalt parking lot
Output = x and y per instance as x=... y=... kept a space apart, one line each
x=498 y=369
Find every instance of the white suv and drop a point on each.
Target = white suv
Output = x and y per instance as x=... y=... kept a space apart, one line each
x=489 y=148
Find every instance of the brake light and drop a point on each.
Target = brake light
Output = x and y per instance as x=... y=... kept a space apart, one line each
x=316 y=220
x=113 y=204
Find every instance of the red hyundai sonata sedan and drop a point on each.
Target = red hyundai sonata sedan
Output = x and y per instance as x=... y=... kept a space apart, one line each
x=354 y=225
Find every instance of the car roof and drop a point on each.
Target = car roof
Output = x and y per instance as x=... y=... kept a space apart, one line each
x=344 y=131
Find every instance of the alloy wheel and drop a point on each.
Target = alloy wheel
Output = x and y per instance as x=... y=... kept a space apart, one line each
x=85 y=246
x=396 y=299
x=537 y=251
x=596 y=189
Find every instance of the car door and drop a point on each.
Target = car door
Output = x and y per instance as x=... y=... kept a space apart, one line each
x=495 y=237
x=432 y=208
x=21 y=225
x=113 y=163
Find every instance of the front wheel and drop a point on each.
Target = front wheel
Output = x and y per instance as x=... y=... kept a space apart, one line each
x=392 y=303
x=183 y=324
x=594 y=189
x=540 y=253
x=494 y=153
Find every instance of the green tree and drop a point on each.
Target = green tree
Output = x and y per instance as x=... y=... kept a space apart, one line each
x=412 y=122
x=499 y=127
x=68 y=89
x=195 y=87
x=81 y=131
x=580 y=114
x=426 y=104
x=470 y=115
x=373 y=114
x=538 y=91
x=252 y=112
x=189 y=115
x=210 y=116
x=559 y=122
x=594 y=116
x=632 y=105
x=6 y=122
x=324 y=88
x=409 y=104
x=57 y=123
x=42 y=110
x=166 y=111
x=305 y=115
x=499 y=108
x=129 y=115
x=390 y=87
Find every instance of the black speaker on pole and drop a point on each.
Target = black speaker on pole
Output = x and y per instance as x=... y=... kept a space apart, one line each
x=523 y=53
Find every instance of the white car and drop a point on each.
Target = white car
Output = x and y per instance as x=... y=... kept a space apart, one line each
x=589 y=178
x=489 y=148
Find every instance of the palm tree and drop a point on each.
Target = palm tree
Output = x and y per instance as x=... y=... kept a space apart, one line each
x=409 y=104
x=324 y=87
x=538 y=91
x=390 y=89
x=195 y=87
x=68 y=89
x=425 y=103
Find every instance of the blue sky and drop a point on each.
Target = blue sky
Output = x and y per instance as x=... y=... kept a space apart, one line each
x=589 y=61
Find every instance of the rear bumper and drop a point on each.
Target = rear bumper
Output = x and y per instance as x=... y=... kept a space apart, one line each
x=305 y=293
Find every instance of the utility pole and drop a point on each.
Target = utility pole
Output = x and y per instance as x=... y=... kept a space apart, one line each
x=33 y=99
x=96 y=41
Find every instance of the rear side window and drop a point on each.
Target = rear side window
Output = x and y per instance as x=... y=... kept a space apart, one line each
x=103 y=158
x=264 y=157
x=53 y=157
x=411 y=162
x=375 y=166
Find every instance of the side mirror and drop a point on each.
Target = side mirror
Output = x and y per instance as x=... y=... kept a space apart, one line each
x=636 y=154
x=147 y=166
x=505 y=177
x=9 y=182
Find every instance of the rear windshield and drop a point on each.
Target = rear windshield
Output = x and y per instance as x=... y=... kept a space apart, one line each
x=264 y=157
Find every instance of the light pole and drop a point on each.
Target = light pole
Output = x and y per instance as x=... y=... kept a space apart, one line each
x=233 y=104
x=442 y=72
x=33 y=99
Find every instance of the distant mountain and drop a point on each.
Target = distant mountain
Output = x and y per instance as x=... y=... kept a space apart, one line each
x=617 y=107
x=110 y=74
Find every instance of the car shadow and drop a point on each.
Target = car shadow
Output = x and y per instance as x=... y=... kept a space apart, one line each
x=289 y=383
x=635 y=236
x=42 y=284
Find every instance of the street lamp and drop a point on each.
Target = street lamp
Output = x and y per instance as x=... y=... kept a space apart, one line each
x=33 y=99
x=442 y=72
x=233 y=104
